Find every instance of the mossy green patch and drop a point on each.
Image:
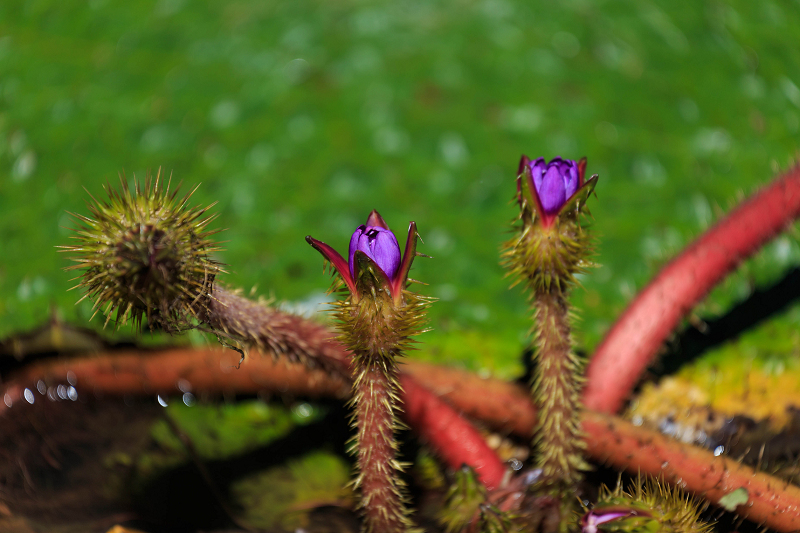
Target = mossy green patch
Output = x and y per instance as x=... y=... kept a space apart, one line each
x=282 y=495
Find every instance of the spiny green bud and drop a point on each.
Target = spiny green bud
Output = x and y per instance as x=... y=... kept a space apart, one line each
x=146 y=255
x=463 y=501
x=467 y=507
x=647 y=507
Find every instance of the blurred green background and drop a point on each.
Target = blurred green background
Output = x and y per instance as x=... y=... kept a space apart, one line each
x=300 y=117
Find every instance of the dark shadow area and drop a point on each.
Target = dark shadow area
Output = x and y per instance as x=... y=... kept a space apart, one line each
x=692 y=342
x=180 y=500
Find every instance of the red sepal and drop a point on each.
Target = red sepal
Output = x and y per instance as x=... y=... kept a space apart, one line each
x=401 y=276
x=376 y=220
x=335 y=259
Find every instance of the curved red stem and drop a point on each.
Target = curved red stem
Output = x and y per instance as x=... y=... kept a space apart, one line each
x=633 y=342
x=455 y=440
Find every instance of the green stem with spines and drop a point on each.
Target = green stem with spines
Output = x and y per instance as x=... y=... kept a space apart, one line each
x=378 y=332
x=556 y=390
x=375 y=402
x=546 y=255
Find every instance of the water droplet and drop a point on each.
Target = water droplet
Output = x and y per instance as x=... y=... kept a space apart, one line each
x=161 y=401
x=41 y=387
x=532 y=476
x=61 y=391
x=664 y=465
x=7 y=400
x=184 y=386
x=606 y=133
x=28 y=396
x=303 y=410
x=301 y=128
x=72 y=393
x=296 y=70
x=515 y=464
x=719 y=450
x=72 y=379
x=189 y=399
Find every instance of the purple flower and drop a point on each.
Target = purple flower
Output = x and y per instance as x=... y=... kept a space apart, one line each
x=379 y=244
x=554 y=182
x=374 y=257
x=597 y=517
x=551 y=185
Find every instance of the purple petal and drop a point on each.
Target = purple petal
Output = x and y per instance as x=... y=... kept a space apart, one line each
x=551 y=192
x=354 y=246
x=537 y=170
x=571 y=179
x=384 y=249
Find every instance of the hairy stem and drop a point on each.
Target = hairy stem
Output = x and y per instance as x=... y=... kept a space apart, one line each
x=375 y=402
x=556 y=391
x=254 y=324
x=634 y=340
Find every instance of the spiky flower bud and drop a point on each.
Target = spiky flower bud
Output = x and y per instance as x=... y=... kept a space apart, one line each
x=376 y=320
x=467 y=508
x=647 y=507
x=551 y=246
x=549 y=249
x=146 y=255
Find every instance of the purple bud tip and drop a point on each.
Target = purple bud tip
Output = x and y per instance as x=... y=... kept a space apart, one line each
x=592 y=519
x=555 y=182
x=380 y=245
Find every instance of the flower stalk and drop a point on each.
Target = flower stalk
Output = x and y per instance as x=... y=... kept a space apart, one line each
x=376 y=319
x=550 y=248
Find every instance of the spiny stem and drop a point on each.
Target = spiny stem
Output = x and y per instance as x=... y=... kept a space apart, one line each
x=551 y=247
x=254 y=324
x=556 y=389
x=375 y=401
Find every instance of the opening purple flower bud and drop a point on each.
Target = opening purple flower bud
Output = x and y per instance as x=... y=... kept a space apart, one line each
x=555 y=182
x=593 y=519
x=380 y=245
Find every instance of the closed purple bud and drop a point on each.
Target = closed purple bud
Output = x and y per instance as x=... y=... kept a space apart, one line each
x=555 y=182
x=380 y=245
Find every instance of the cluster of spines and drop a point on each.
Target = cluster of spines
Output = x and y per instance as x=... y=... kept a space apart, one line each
x=379 y=332
x=556 y=387
x=549 y=258
x=146 y=255
x=466 y=507
x=654 y=507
